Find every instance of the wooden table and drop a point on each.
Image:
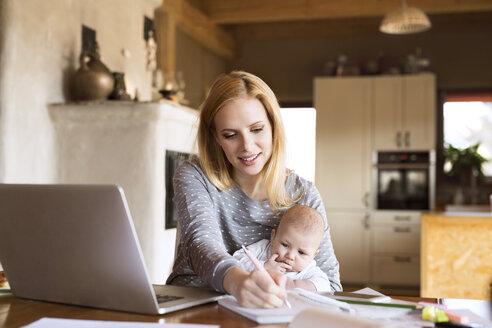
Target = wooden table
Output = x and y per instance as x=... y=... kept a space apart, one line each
x=15 y=312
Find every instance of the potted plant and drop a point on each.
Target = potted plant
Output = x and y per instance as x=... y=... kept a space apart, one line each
x=464 y=162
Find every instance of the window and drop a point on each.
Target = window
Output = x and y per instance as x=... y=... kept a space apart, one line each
x=467 y=119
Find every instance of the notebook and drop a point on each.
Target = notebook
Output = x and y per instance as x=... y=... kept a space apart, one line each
x=299 y=299
x=77 y=244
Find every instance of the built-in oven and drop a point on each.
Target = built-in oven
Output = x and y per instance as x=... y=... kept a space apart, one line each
x=404 y=180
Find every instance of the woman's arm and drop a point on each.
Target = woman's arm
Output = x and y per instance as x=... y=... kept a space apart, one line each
x=200 y=234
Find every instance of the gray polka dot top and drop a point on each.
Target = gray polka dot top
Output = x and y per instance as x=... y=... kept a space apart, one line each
x=213 y=224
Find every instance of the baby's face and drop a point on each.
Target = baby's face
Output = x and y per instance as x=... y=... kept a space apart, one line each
x=293 y=247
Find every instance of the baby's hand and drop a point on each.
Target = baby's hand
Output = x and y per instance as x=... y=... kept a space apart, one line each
x=290 y=284
x=273 y=265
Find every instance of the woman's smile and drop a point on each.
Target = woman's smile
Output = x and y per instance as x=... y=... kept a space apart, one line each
x=250 y=160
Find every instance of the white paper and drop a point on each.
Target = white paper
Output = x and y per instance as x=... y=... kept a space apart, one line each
x=72 y=323
x=369 y=291
x=299 y=299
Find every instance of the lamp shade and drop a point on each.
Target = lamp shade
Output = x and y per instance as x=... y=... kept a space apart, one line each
x=405 y=20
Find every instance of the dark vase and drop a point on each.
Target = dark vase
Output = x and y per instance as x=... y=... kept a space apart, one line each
x=93 y=80
x=119 y=91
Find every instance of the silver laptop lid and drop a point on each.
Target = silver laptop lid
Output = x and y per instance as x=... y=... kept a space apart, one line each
x=73 y=244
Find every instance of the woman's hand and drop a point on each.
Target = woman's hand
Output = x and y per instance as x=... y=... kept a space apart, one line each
x=272 y=265
x=256 y=289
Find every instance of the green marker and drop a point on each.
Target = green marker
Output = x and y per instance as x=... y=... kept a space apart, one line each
x=406 y=306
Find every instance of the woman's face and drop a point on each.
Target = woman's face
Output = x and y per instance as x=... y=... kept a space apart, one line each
x=244 y=132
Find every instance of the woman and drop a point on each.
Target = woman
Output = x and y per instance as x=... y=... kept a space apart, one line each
x=236 y=192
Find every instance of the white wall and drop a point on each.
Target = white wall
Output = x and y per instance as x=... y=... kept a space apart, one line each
x=40 y=42
x=300 y=131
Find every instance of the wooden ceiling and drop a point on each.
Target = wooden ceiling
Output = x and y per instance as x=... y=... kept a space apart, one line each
x=219 y=24
x=256 y=11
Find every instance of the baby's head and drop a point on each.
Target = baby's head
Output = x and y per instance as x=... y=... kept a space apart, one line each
x=298 y=236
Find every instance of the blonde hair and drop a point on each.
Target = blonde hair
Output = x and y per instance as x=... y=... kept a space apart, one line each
x=227 y=88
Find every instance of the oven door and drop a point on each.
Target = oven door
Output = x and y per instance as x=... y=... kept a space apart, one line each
x=403 y=187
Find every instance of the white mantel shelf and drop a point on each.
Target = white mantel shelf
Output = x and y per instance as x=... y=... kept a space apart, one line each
x=119 y=110
x=124 y=143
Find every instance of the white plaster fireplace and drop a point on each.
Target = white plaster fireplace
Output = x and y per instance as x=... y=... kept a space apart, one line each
x=125 y=143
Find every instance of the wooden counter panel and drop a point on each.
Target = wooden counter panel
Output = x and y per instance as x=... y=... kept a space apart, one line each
x=456 y=256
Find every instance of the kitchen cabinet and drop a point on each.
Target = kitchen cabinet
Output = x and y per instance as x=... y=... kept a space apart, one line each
x=404 y=111
x=356 y=115
x=343 y=168
x=350 y=236
x=343 y=150
x=395 y=253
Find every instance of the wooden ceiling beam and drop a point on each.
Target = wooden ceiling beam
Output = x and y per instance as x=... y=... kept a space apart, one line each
x=356 y=26
x=255 y=11
x=196 y=24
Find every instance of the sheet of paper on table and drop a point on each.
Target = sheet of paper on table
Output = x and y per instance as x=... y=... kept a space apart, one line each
x=72 y=323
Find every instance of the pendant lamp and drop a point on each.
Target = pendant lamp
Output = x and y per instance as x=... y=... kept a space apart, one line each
x=405 y=20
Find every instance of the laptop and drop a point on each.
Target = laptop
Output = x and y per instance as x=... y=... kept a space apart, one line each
x=76 y=244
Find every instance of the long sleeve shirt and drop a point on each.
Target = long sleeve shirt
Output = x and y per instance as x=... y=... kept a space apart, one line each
x=213 y=224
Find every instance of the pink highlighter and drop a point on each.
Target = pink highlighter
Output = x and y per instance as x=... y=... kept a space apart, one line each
x=260 y=268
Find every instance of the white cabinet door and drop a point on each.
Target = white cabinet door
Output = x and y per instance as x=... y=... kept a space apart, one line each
x=343 y=141
x=419 y=112
x=396 y=240
x=404 y=112
x=387 y=93
x=395 y=247
x=396 y=270
x=350 y=236
x=396 y=218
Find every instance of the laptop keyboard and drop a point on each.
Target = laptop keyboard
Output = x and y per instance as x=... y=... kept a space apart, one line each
x=167 y=298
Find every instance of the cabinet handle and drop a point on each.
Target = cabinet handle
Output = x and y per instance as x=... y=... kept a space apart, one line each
x=407 y=138
x=402 y=229
x=366 y=199
x=398 y=139
x=402 y=259
x=402 y=218
x=366 y=221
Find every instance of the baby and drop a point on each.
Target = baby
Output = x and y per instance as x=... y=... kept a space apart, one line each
x=291 y=250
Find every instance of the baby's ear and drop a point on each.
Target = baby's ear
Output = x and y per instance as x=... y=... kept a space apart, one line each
x=316 y=253
x=272 y=235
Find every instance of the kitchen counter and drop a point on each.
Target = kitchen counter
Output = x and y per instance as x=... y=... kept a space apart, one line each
x=456 y=256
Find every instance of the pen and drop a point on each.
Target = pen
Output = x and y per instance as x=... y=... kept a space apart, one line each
x=260 y=267
x=407 y=306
